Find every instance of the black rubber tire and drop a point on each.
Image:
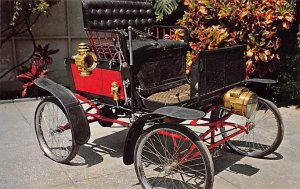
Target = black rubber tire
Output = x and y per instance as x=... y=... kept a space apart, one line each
x=71 y=150
x=187 y=133
x=256 y=150
x=107 y=112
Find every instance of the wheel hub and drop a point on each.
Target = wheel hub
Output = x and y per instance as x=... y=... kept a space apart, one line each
x=170 y=167
x=52 y=132
x=251 y=126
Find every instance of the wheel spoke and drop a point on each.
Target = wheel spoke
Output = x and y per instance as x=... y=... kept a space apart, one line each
x=55 y=142
x=264 y=129
x=157 y=162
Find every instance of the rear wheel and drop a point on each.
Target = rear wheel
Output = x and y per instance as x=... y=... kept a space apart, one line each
x=171 y=156
x=265 y=130
x=53 y=131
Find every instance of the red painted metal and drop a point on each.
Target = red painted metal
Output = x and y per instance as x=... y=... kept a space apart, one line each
x=172 y=135
x=91 y=84
x=194 y=122
x=96 y=84
x=91 y=37
x=109 y=76
x=175 y=145
x=108 y=45
x=189 y=158
x=99 y=82
x=79 y=97
x=101 y=45
x=213 y=135
x=213 y=126
x=97 y=116
x=225 y=139
x=63 y=128
x=88 y=37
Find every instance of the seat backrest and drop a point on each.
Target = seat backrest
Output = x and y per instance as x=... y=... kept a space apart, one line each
x=117 y=14
x=159 y=65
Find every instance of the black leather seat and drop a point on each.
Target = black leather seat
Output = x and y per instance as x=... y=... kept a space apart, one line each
x=117 y=14
x=155 y=47
x=158 y=64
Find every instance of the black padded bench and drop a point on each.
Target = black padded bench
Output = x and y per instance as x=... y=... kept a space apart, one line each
x=159 y=65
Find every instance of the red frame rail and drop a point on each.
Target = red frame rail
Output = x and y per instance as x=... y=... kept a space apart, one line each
x=97 y=116
x=213 y=126
x=188 y=155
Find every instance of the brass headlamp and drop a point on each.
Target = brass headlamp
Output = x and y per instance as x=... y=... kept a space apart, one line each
x=85 y=60
x=241 y=101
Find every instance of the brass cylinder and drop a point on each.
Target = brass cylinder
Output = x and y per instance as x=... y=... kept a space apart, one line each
x=85 y=60
x=240 y=101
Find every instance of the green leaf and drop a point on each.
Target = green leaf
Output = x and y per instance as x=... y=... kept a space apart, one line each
x=164 y=7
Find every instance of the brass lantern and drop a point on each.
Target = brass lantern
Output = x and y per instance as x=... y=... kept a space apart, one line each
x=241 y=101
x=85 y=60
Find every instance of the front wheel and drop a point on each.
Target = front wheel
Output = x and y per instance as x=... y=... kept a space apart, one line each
x=264 y=134
x=54 y=132
x=171 y=156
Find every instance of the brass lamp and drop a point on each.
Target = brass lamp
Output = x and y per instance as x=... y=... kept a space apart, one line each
x=85 y=60
x=241 y=101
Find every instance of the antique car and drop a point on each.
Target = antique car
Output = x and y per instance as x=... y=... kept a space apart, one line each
x=133 y=69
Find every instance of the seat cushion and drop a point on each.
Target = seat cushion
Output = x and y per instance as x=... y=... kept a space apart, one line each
x=172 y=96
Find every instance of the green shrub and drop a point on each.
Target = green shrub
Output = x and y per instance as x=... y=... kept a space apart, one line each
x=221 y=23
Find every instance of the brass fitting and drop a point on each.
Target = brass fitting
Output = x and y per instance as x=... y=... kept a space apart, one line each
x=85 y=60
x=241 y=101
x=115 y=91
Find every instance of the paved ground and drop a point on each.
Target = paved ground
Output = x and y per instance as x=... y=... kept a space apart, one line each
x=99 y=162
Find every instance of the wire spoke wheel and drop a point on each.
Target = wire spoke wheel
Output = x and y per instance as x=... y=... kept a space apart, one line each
x=264 y=131
x=172 y=157
x=54 y=132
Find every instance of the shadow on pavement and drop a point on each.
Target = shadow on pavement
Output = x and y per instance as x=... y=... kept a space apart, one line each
x=112 y=145
x=229 y=161
x=274 y=156
x=92 y=152
x=243 y=169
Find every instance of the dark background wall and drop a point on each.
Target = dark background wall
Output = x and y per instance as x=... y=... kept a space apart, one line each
x=63 y=29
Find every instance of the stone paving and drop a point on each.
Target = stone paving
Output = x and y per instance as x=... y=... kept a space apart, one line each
x=99 y=165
